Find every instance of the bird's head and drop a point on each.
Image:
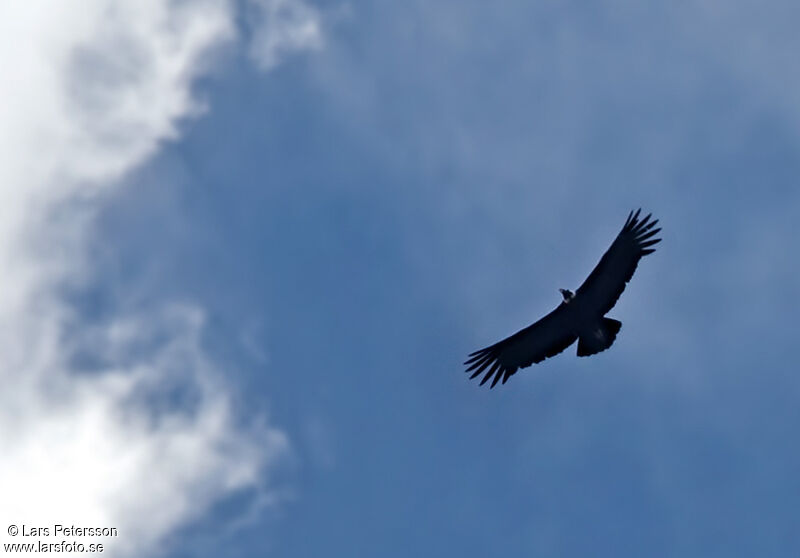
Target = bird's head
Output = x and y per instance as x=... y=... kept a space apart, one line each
x=567 y=294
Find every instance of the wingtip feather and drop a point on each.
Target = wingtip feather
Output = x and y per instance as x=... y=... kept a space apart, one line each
x=650 y=225
x=481 y=366
x=474 y=354
x=490 y=373
x=632 y=222
x=473 y=360
x=647 y=235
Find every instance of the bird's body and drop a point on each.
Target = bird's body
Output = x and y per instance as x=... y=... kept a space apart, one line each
x=581 y=315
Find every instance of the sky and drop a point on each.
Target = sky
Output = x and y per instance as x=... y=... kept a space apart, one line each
x=248 y=244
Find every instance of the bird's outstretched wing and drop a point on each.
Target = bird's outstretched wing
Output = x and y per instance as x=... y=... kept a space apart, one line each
x=545 y=338
x=605 y=283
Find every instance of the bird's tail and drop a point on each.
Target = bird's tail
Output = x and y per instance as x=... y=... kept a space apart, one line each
x=600 y=338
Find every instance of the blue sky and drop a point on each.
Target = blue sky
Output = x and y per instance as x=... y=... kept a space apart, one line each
x=345 y=222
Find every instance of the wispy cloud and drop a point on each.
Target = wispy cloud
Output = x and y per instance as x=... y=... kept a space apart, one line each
x=147 y=439
x=281 y=27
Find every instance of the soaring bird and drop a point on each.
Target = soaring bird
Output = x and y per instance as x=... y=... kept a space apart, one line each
x=579 y=316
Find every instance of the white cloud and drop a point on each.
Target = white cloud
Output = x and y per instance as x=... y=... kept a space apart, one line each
x=281 y=27
x=149 y=441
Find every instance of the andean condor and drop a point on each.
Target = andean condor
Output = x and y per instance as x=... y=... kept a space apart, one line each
x=580 y=316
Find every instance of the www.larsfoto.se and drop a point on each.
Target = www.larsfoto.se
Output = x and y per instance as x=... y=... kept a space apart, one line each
x=62 y=546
